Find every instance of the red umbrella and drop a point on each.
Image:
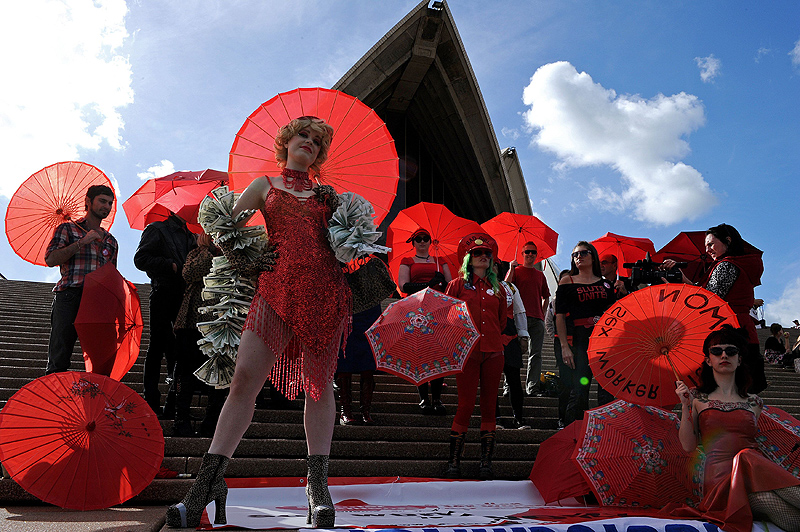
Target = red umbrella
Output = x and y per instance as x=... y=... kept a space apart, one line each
x=362 y=157
x=80 y=440
x=109 y=322
x=512 y=230
x=779 y=438
x=631 y=456
x=625 y=248
x=446 y=230
x=423 y=336
x=53 y=195
x=653 y=337
x=179 y=192
x=558 y=450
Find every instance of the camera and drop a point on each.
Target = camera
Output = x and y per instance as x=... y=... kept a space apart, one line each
x=646 y=271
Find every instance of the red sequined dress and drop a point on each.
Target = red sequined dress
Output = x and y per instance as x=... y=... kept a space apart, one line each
x=302 y=308
x=734 y=466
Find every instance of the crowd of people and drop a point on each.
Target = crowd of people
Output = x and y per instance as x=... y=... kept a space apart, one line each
x=301 y=335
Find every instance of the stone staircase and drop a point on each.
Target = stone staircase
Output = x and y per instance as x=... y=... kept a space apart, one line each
x=402 y=443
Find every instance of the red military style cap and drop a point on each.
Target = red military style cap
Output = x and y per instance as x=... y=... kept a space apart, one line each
x=476 y=241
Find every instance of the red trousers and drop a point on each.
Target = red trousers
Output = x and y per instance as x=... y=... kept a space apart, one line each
x=484 y=369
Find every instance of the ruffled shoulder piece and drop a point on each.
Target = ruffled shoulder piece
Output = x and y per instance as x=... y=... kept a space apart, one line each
x=351 y=229
x=755 y=400
x=228 y=293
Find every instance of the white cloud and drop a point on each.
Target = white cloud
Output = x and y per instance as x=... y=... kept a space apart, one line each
x=585 y=124
x=787 y=307
x=709 y=67
x=165 y=167
x=761 y=53
x=64 y=82
x=795 y=54
x=510 y=133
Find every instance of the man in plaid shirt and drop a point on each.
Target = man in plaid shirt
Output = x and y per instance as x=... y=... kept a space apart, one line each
x=78 y=248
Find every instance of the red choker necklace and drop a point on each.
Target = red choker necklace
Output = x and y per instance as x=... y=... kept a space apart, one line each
x=297 y=180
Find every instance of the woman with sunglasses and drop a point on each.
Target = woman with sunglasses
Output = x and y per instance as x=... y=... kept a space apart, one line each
x=733 y=276
x=417 y=273
x=739 y=481
x=478 y=285
x=581 y=298
x=298 y=318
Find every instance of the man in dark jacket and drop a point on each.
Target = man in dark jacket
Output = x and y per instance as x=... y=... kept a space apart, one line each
x=161 y=254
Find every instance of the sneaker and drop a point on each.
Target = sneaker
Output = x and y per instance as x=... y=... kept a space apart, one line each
x=519 y=424
x=426 y=407
x=561 y=424
x=438 y=408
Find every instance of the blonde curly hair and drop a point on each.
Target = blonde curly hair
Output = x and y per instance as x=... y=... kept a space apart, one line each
x=291 y=129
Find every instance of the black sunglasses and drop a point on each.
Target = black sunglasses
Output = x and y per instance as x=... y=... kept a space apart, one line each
x=422 y=238
x=581 y=253
x=481 y=253
x=530 y=252
x=731 y=351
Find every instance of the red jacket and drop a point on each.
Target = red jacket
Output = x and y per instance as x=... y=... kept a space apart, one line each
x=486 y=308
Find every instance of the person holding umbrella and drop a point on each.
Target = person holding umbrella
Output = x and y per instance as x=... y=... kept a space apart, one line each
x=478 y=285
x=297 y=321
x=78 y=248
x=739 y=481
x=733 y=276
x=581 y=298
x=417 y=273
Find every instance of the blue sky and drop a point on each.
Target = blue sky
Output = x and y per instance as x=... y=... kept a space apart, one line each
x=636 y=117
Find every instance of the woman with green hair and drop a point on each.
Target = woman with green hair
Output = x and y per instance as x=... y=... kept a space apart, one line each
x=478 y=285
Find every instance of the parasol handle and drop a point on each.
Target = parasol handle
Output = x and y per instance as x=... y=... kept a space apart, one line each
x=665 y=352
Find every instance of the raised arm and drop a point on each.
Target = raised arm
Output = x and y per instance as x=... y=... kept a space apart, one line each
x=687 y=432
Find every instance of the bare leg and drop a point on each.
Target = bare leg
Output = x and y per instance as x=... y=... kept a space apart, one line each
x=775 y=509
x=253 y=364
x=320 y=416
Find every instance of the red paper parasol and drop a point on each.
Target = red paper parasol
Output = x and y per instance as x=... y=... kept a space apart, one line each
x=109 y=322
x=179 y=192
x=779 y=438
x=653 y=337
x=558 y=449
x=446 y=230
x=362 y=156
x=631 y=456
x=423 y=336
x=53 y=195
x=626 y=248
x=80 y=440
x=512 y=230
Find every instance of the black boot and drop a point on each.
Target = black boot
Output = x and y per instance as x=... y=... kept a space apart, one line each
x=182 y=426
x=487 y=450
x=367 y=387
x=321 y=512
x=216 y=400
x=344 y=382
x=209 y=486
x=456 y=450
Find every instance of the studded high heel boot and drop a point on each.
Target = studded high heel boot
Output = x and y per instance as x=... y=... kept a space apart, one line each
x=321 y=512
x=209 y=486
x=456 y=450
x=487 y=450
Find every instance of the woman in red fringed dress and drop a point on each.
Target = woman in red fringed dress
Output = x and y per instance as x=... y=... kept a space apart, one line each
x=294 y=330
x=739 y=481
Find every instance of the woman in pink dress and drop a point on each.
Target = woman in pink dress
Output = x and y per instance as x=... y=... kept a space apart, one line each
x=294 y=330
x=739 y=482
